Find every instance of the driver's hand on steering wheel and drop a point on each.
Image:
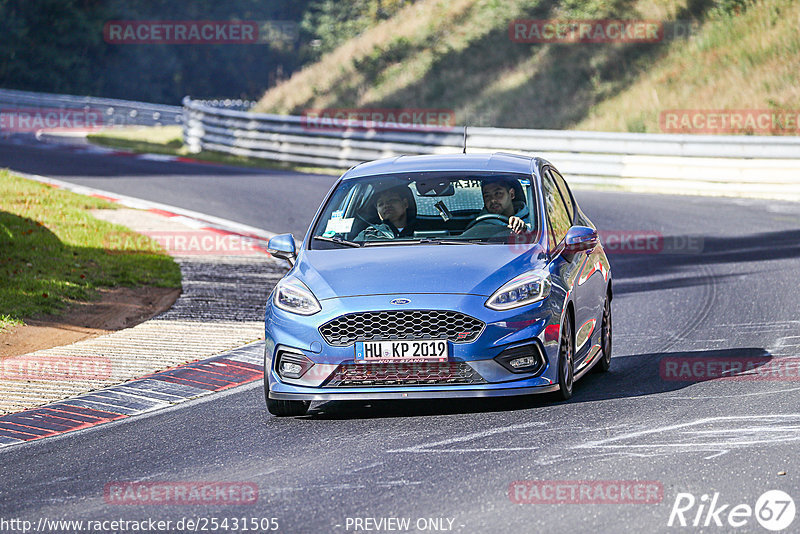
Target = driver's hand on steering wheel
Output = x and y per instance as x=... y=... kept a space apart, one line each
x=516 y=224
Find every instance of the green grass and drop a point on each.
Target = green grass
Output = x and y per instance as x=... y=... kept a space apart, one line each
x=169 y=140
x=156 y=139
x=743 y=56
x=53 y=251
x=457 y=55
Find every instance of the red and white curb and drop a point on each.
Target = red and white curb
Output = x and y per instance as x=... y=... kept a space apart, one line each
x=178 y=384
x=147 y=394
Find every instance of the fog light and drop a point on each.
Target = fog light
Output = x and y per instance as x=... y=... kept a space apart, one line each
x=523 y=358
x=291 y=364
x=518 y=363
x=293 y=368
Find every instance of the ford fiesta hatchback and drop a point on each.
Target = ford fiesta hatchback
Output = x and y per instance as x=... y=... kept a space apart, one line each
x=469 y=275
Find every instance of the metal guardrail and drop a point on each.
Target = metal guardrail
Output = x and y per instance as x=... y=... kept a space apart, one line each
x=740 y=165
x=114 y=112
x=767 y=166
x=291 y=139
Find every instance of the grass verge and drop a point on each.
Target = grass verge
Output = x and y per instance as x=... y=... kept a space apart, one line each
x=169 y=140
x=52 y=251
x=458 y=55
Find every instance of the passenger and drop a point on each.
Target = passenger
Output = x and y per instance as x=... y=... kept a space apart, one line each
x=392 y=207
x=499 y=198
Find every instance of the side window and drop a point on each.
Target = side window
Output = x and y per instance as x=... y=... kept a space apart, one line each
x=557 y=214
x=565 y=193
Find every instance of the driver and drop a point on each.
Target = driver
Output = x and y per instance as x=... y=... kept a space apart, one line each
x=392 y=208
x=499 y=198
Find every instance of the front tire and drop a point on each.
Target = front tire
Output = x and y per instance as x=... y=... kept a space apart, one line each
x=284 y=408
x=605 y=339
x=566 y=361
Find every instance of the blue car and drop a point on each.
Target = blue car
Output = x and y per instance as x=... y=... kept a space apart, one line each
x=466 y=275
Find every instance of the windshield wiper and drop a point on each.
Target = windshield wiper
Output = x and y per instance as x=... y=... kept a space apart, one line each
x=338 y=241
x=433 y=240
x=395 y=242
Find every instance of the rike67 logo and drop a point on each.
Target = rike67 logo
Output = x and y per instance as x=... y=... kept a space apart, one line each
x=774 y=510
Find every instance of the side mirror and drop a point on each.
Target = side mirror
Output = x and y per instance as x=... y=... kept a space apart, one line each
x=282 y=246
x=580 y=238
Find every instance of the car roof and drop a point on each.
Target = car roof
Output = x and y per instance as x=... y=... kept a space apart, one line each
x=496 y=162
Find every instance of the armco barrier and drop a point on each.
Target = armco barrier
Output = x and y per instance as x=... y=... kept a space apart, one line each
x=115 y=112
x=760 y=166
x=289 y=139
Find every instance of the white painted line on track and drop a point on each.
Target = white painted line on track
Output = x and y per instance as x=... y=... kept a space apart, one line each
x=738 y=434
x=157 y=157
x=736 y=395
x=424 y=447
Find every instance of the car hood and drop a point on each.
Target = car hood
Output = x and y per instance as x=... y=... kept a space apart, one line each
x=388 y=270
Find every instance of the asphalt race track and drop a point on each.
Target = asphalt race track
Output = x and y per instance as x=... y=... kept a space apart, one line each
x=721 y=285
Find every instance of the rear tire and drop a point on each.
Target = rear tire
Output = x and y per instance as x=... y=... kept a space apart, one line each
x=566 y=361
x=284 y=408
x=605 y=339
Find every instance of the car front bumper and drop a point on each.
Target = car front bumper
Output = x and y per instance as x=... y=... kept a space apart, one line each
x=533 y=324
x=406 y=392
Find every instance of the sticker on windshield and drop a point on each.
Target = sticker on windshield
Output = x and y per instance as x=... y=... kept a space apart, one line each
x=339 y=225
x=338 y=214
x=525 y=182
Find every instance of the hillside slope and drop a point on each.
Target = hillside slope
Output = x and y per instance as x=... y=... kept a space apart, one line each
x=458 y=55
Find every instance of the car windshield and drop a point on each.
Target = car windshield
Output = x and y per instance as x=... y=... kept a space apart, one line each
x=416 y=208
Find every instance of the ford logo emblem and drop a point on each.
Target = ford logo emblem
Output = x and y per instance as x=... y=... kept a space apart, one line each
x=401 y=301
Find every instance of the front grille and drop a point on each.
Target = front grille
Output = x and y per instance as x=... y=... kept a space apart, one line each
x=404 y=374
x=401 y=324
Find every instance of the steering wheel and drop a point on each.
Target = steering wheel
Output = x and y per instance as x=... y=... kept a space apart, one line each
x=371 y=225
x=493 y=217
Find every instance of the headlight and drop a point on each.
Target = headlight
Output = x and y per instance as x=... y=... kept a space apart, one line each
x=525 y=289
x=293 y=296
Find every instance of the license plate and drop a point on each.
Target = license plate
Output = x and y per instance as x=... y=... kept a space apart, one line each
x=408 y=351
